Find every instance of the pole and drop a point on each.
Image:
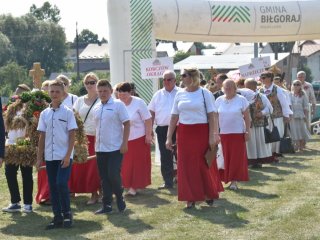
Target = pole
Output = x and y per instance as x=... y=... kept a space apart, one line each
x=256 y=48
x=77 y=46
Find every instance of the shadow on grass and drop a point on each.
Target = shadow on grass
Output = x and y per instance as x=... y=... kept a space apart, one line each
x=132 y=225
x=22 y=227
x=223 y=212
x=255 y=194
x=149 y=198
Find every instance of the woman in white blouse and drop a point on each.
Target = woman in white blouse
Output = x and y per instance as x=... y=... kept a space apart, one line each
x=234 y=123
x=194 y=109
x=136 y=164
x=85 y=176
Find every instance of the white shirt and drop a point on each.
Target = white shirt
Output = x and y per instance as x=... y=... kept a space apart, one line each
x=247 y=93
x=231 y=114
x=190 y=106
x=282 y=99
x=307 y=87
x=70 y=100
x=161 y=104
x=109 y=118
x=138 y=113
x=56 y=123
x=82 y=108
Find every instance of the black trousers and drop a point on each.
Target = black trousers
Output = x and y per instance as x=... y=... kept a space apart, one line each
x=109 y=166
x=166 y=156
x=27 y=183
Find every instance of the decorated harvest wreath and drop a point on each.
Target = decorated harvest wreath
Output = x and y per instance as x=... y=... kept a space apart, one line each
x=31 y=104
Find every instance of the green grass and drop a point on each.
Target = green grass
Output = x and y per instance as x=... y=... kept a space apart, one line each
x=281 y=201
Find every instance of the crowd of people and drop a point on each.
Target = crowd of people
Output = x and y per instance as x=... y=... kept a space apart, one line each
x=188 y=120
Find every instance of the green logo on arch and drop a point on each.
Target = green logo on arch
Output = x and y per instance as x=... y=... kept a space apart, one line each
x=235 y=14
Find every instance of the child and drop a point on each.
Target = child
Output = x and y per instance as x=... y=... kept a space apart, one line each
x=57 y=126
x=112 y=133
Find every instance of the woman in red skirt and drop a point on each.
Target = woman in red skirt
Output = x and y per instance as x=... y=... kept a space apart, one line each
x=194 y=109
x=85 y=176
x=136 y=164
x=234 y=123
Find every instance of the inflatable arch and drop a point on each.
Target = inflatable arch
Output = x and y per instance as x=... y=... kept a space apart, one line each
x=135 y=24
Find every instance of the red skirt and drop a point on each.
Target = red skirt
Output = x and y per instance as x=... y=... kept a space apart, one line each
x=43 y=193
x=85 y=176
x=136 y=165
x=196 y=182
x=235 y=158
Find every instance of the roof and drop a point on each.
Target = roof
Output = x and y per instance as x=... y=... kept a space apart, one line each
x=227 y=61
x=95 y=51
x=167 y=47
x=309 y=49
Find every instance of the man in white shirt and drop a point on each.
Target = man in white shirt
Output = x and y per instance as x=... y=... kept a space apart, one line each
x=160 y=109
x=112 y=133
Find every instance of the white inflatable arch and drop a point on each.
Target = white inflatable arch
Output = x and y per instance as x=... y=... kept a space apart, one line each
x=135 y=24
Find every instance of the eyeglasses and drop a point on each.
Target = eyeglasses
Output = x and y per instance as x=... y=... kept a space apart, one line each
x=184 y=75
x=168 y=79
x=296 y=84
x=91 y=83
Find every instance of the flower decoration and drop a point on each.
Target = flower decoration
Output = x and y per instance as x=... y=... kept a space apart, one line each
x=35 y=102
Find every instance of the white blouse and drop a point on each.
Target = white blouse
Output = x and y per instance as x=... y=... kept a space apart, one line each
x=82 y=108
x=138 y=113
x=190 y=106
x=231 y=114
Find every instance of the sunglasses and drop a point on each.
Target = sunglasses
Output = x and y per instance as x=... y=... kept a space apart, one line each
x=91 y=83
x=184 y=75
x=296 y=84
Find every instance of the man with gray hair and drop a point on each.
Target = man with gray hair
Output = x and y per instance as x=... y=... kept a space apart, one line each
x=160 y=109
x=307 y=87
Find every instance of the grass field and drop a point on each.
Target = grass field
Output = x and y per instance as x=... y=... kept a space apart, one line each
x=281 y=201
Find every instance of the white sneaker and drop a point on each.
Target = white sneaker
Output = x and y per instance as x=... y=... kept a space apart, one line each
x=13 y=207
x=132 y=192
x=27 y=208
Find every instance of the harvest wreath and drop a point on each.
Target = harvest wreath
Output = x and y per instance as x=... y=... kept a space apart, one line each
x=23 y=113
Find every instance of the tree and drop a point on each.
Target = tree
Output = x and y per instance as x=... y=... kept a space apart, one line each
x=86 y=37
x=46 y=12
x=6 y=50
x=180 y=55
x=35 y=41
x=11 y=75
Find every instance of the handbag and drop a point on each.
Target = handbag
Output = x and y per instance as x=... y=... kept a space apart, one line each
x=273 y=135
x=286 y=145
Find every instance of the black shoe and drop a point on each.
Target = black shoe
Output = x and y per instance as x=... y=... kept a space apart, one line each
x=104 y=210
x=67 y=220
x=121 y=205
x=165 y=186
x=57 y=222
x=209 y=202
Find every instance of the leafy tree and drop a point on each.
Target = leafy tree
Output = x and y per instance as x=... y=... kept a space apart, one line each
x=11 y=75
x=180 y=55
x=46 y=12
x=35 y=41
x=86 y=37
x=6 y=49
